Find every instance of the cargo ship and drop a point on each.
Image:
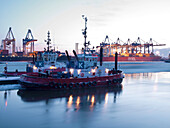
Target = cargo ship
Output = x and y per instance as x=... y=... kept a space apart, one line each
x=130 y=51
x=134 y=58
x=16 y=58
x=6 y=57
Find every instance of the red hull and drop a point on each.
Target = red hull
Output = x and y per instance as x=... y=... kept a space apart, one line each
x=20 y=73
x=33 y=81
x=120 y=58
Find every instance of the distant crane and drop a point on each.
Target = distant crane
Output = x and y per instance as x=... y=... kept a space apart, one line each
x=130 y=47
x=9 y=40
x=29 y=39
x=152 y=44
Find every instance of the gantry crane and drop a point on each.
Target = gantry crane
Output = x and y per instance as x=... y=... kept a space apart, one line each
x=29 y=39
x=151 y=44
x=130 y=47
x=9 y=40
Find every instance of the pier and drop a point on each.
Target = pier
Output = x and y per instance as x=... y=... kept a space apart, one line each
x=9 y=80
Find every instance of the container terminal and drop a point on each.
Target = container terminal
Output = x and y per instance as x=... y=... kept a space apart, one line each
x=138 y=50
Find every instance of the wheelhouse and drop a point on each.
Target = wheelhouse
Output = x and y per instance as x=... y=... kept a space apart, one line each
x=49 y=58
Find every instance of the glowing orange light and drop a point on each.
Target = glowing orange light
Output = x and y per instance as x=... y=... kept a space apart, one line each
x=92 y=100
x=93 y=70
x=88 y=98
x=70 y=101
x=53 y=67
x=106 y=98
x=34 y=67
x=71 y=70
x=6 y=103
x=78 y=101
x=78 y=71
x=106 y=70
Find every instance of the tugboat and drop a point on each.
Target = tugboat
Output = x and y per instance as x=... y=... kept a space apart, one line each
x=46 y=61
x=83 y=73
x=42 y=62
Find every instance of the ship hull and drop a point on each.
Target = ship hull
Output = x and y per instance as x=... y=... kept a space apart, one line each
x=35 y=82
x=120 y=58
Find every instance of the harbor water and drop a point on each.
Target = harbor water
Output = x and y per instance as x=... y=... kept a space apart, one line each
x=143 y=102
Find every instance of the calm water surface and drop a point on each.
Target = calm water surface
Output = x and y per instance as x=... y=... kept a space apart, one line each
x=143 y=102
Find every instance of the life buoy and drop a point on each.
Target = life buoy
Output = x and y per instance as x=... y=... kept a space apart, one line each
x=59 y=85
x=94 y=83
x=64 y=85
x=89 y=84
x=56 y=85
x=82 y=74
x=83 y=85
x=77 y=85
x=70 y=85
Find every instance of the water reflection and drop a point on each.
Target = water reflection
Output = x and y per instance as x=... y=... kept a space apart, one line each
x=70 y=101
x=154 y=77
x=77 y=100
x=5 y=98
x=139 y=75
x=6 y=95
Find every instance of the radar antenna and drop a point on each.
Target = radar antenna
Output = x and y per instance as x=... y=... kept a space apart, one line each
x=86 y=44
x=48 y=41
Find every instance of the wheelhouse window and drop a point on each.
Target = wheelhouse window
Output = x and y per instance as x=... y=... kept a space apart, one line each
x=45 y=57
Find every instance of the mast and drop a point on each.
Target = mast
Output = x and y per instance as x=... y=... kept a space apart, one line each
x=48 y=41
x=85 y=33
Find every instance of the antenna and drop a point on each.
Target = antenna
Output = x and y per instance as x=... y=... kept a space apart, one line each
x=85 y=33
x=48 y=41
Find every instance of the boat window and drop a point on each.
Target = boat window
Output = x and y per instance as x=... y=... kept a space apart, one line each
x=45 y=58
x=49 y=58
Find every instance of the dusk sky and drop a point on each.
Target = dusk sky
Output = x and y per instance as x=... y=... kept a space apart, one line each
x=63 y=18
